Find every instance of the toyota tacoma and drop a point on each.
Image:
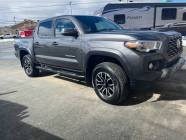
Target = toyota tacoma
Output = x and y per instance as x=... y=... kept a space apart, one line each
x=100 y=52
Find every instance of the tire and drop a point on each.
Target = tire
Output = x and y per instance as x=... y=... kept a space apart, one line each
x=29 y=66
x=110 y=83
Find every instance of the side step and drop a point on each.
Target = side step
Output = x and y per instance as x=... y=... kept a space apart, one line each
x=62 y=72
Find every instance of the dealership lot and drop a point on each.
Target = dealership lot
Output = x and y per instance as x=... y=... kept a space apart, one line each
x=54 y=107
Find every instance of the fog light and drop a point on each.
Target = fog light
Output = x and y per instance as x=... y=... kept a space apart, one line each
x=154 y=65
x=151 y=66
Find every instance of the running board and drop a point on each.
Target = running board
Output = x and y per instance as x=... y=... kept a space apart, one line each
x=62 y=72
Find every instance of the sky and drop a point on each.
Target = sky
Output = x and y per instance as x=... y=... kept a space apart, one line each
x=14 y=11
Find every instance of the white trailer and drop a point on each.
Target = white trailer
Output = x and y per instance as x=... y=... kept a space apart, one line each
x=171 y=16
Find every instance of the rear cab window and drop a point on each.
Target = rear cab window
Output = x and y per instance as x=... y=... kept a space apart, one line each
x=169 y=14
x=45 y=29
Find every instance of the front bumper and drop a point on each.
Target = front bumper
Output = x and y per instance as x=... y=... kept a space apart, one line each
x=161 y=74
x=167 y=72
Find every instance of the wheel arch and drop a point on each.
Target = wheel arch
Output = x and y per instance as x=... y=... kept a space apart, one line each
x=97 y=57
x=22 y=53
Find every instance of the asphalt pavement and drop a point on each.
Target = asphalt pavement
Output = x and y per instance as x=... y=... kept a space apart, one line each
x=56 y=108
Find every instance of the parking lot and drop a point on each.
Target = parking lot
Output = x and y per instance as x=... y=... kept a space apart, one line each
x=55 y=108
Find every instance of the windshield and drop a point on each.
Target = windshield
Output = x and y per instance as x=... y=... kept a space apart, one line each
x=91 y=24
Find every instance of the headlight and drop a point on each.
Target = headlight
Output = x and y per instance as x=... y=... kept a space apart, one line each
x=144 y=46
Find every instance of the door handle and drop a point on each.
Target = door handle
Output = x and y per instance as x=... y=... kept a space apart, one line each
x=36 y=43
x=55 y=43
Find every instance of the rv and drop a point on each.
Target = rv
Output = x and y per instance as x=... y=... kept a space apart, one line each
x=162 y=16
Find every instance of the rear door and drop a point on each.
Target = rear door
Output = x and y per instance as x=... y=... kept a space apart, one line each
x=43 y=40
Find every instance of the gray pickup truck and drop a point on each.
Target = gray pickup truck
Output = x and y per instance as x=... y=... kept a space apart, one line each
x=100 y=52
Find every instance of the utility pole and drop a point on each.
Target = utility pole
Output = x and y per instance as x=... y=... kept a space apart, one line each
x=14 y=19
x=70 y=4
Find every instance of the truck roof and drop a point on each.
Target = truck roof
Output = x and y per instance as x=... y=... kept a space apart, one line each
x=67 y=16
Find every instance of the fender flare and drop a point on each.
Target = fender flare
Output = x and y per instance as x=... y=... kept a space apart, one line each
x=25 y=50
x=109 y=53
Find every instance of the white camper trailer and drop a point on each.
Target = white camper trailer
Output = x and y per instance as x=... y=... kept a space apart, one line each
x=170 y=16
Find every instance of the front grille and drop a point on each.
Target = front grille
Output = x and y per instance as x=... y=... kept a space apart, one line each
x=173 y=49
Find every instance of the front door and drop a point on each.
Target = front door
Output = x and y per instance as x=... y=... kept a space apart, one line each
x=67 y=48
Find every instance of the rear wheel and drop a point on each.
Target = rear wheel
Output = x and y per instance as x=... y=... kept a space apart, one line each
x=29 y=66
x=110 y=83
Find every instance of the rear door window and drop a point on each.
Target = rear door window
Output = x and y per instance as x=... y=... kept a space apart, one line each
x=169 y=14
x=45 y=29
x=119 y=19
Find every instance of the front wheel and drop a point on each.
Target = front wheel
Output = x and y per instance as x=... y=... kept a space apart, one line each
x=29 y=66
x=110 y=83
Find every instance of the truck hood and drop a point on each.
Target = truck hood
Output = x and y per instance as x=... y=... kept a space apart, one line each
x=150 y=35
x=134 y=35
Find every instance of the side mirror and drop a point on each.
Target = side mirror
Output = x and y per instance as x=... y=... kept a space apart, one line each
x=70 y=32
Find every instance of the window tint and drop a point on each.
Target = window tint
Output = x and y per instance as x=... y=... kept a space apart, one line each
x=91 y=24
x=169 y=14
x=63 y=24
x=45 y=29
x=102 y=26
x=184 y=16
x=119 y=19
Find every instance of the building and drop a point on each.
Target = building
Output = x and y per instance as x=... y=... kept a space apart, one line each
x=5 y=30
x=23 y=26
